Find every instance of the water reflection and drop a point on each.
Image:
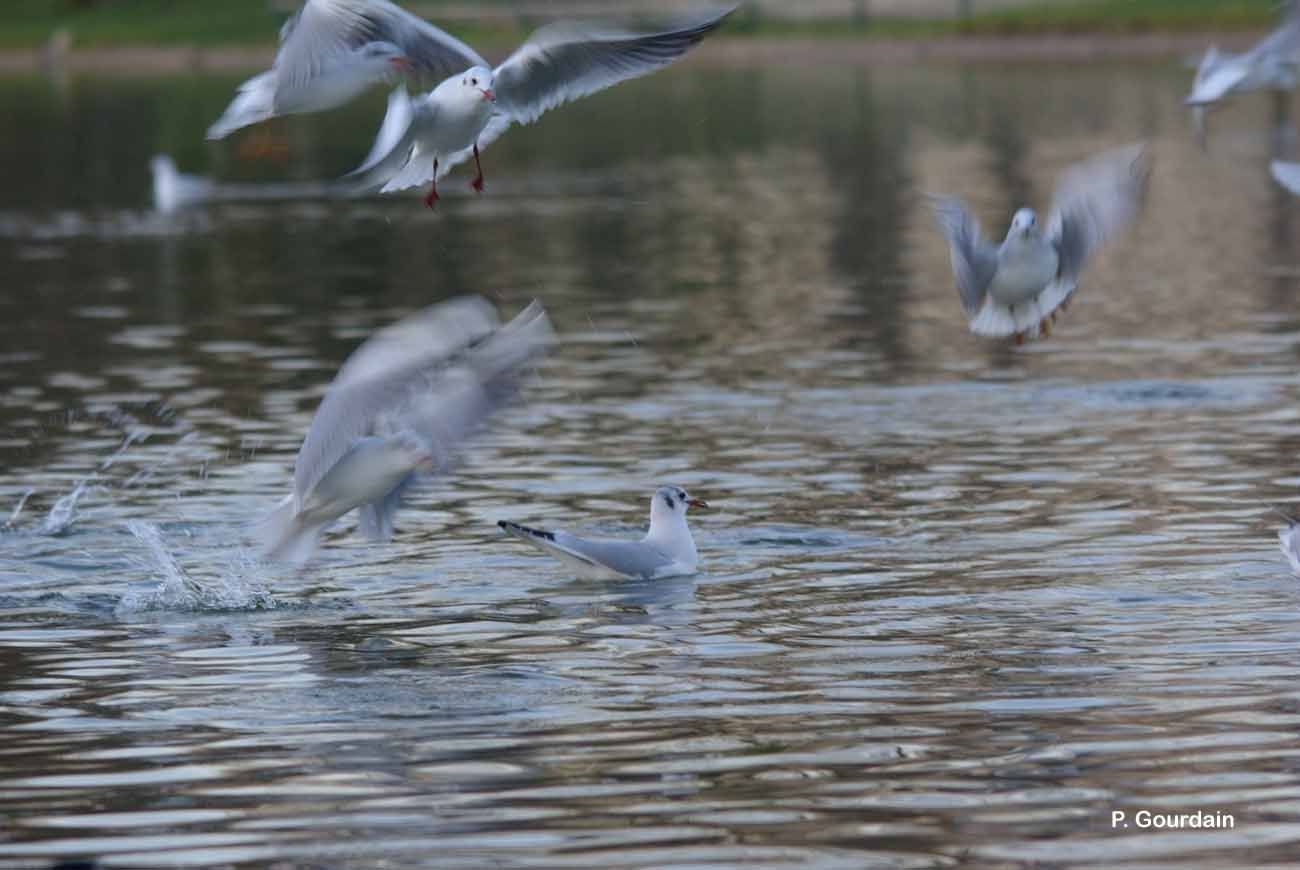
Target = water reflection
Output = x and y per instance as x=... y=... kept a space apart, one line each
x=958 y=599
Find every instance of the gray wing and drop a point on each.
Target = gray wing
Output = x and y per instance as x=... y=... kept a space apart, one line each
x=1095 y=200
x=325 y=29
x=632 y=558
x=379 y=376
x=563 y=61
x=974 y=258
x=446 y=405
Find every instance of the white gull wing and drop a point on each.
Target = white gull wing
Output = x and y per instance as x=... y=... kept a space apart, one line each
x=253 y=102
x=1095 y=200
x=397 y=120
x=396 y=147
x=565 y=61
x=447 y=404
x=591 y=557
x=379 y=377
x=1286 y=174
x=325 y=31
x=974 y=258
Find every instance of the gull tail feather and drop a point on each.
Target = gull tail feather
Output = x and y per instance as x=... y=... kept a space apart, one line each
x=994 y=319
x=285 y=537
x=547 y=543
x=254 y=103
x=416 y=171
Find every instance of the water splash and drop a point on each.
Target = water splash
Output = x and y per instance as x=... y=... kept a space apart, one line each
x=64 y=512
x=230 y=588
x=18 y=508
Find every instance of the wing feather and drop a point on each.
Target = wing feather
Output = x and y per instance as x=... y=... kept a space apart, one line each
x=974 y=258
x=565 y=61
x=1095 y=200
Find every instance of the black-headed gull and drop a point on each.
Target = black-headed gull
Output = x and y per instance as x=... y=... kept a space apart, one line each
x=1015 y=288
x=558 y=63
x=667 y=550
x=333 y=50
x=397 y=409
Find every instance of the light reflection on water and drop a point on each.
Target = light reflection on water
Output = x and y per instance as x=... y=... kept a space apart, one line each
x=960 y=600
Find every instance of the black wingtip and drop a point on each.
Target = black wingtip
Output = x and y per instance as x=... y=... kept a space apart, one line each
x=508 y=526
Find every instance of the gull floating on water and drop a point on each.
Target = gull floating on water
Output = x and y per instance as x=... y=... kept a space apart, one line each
x=333 y=50
x=467 y=112
x=1015 y=288
x=395 y=412
x=667 y=550
x=174 y=190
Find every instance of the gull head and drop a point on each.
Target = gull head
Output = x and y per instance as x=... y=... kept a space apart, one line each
x=386 y=57
x=1023 y=224
x=670 y=503
x=408 y=453
x=476 y=84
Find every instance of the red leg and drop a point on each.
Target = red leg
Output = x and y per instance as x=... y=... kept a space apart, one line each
x=433 y=186
x=477 y=183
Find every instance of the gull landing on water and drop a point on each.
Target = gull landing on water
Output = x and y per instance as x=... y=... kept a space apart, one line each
x=333 y=50
x=467 y=112
x=1017 y=287
x=667 y=550
x=396 y=411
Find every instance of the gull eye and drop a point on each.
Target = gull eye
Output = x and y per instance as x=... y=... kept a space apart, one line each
x=473 y=82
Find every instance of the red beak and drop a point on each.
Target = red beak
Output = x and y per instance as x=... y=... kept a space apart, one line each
x=489 y=96
x=402 y=63
x=698 y=503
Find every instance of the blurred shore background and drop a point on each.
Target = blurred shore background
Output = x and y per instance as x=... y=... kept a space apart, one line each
x=179 y=34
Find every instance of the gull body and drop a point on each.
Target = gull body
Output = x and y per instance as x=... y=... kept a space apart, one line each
x=1015 y=289
x=333 y=50
x=395 y=413
x=1027 y=262
x=558 y=63
x=667 y=550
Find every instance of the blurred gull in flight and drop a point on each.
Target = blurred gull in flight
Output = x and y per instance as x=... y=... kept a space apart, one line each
x=667 y=550
x=395 y=412
x=1271 y=63
x=1015 y=288
x=333 y=50
x=558 y=63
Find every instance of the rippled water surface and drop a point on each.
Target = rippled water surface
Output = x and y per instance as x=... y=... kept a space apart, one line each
x=960 y=600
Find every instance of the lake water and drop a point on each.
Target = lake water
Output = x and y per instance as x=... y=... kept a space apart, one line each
x=960 y=600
